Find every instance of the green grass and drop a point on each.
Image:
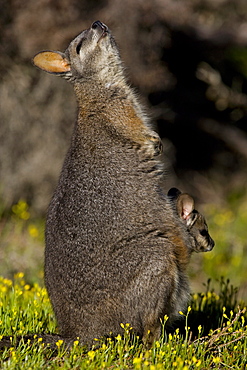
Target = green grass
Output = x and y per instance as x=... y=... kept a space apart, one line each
x=22 y=244
x=213 y=334
x=227 y=226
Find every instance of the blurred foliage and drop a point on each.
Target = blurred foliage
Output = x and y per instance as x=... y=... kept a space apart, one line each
x=22 y=244
x=189 y=62
x=238 y=57
x=227 y=226
x=187 y=58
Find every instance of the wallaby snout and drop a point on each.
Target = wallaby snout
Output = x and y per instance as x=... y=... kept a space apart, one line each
x=101 y=26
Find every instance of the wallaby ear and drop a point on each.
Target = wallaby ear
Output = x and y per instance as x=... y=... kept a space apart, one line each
x=52 y=62
x=173 y=193
x=185 y=206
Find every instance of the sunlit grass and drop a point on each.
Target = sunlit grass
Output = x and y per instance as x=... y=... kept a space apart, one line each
x=21 y=243
x=212 y=334
x=228 y=228
x=21 y=303
x=223 y=344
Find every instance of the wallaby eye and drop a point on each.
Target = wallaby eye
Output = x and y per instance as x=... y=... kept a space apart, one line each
x=78 y=47
x=203 y=232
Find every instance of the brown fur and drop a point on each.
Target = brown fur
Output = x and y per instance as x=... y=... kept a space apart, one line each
x=116 y=251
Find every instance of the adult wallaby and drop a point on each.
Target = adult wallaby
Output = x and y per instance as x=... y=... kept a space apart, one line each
x=116 y=251
x=195 y=222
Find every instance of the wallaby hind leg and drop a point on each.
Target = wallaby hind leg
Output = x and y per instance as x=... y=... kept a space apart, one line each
x=151 y=334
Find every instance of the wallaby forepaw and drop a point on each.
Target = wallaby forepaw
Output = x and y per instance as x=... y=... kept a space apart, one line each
x=152 y=147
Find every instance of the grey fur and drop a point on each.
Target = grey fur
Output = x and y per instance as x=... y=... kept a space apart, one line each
x=116 y=251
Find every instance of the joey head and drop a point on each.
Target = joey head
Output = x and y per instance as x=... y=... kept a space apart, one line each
x=195 y=222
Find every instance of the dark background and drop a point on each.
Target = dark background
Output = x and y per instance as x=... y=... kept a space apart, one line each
x=188 y=60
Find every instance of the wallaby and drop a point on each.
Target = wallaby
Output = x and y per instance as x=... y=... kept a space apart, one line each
x=116 y=251
x=195 y=222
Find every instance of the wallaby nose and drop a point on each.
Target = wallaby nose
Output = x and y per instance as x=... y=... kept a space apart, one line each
x=100 y=25
x=211 y=244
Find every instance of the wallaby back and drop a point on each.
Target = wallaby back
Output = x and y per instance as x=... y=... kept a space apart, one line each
x=116 y=251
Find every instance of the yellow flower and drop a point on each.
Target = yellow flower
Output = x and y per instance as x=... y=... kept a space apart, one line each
x=59 y=343
x=216 y=360
x=19 y=275
x=157 y=344
x=91 y=354
x=13 y=355
x=118 y=337
x=137 y=360
x=7 y=282
x=243 y=320
x=21 y=210
x=33 y=231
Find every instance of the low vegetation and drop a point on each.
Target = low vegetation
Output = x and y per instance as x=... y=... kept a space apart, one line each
x=212 y=334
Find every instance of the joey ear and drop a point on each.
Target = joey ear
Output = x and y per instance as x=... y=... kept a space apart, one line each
x=52 y=62
x=185 y=206
x=173 y=193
